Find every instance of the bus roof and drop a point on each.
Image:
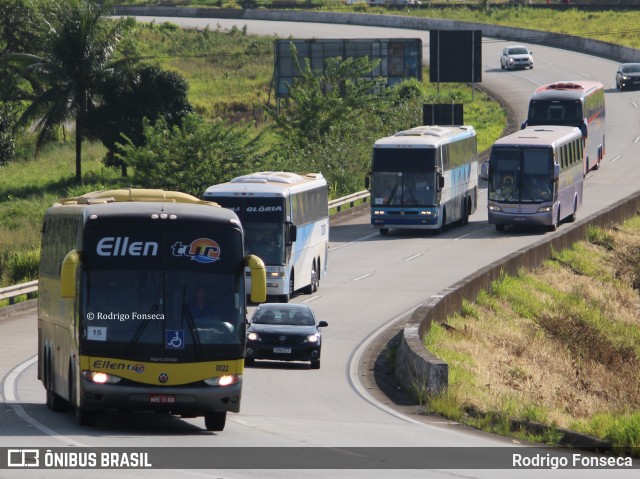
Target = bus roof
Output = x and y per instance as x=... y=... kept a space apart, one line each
x=267 y=183
x=426 y=136
x=140 y=203
x=539 y=136
x=571 y=90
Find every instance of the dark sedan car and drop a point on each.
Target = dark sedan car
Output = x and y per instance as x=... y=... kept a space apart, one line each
x=628 y=75
x=284 y=332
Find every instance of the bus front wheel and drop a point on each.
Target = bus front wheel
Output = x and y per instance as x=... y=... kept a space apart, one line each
x=499 y=227
x=285 y=297
x=215 y=420
x=384 y=231
x=313 y=285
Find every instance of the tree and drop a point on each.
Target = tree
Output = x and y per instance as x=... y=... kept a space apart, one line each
x=194 y=155
x=147 y=92
x=80 y=51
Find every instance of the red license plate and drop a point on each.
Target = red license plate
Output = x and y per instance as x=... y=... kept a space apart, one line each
x=162 y=399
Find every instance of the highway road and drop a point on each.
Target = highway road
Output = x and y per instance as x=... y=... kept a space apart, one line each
x=373 y=282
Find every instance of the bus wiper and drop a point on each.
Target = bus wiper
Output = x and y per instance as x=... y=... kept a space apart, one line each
x=140 y=330
x=186 y=313
x=524 y=187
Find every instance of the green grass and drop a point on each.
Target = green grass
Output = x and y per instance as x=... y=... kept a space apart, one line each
x=559 y=346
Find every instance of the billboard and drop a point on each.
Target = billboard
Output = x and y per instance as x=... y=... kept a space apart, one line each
x=443 y=114
x=400 y=58
x=455 y=56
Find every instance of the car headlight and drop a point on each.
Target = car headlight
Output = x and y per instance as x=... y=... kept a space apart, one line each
x=312 y=338
x=511 y=60
x=227 y=380
x=253 y=337
x=625 y=77
x=99 y=377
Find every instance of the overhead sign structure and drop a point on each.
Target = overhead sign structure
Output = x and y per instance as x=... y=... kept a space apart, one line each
x=443 y=114
x=455 y=56
x=400 y=58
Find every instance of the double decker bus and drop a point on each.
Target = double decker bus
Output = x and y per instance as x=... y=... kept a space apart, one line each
x=286 y=221
x=577 y=103
x=424 y=178
x=117 y=329
x=536 y=177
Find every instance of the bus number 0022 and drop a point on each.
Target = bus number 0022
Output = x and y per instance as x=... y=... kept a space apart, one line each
x=222 y=367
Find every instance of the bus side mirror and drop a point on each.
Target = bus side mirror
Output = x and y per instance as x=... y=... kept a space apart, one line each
x=484 y=170
x=68 y=274
x=367 y=182
x=523 y=125
x=584 y=130
x=258 y=278
x=556 y=170
x=440 y=181
x=291 y=232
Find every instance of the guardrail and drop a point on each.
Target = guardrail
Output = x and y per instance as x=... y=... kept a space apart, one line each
x=349 y=201
x=11 y=292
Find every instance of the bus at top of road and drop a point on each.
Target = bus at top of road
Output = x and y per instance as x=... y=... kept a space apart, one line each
x=286 y=221
x=578 y=103
x=535 y=177
x=142 y=305
x=424 y=178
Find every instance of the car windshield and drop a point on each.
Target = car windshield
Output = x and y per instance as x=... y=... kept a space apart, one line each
x=284 y=315
x=631 y=68
x=518 y=51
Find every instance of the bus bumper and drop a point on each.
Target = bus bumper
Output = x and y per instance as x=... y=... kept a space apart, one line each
x=187 y=400
x=528 y=219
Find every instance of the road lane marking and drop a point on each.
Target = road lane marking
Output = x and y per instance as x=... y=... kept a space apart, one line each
x=364 y=276
x=616 y=158
x=10 y=394
x=410 y=258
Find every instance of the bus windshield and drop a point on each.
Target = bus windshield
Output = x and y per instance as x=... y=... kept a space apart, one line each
x=159 y=310
x=265 y=239
x=555 y=112
x=521 y=175
x=403 y=188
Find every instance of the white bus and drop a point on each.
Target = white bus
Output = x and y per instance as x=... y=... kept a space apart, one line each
x=536 y=177
x=424 y=178
x=285 y=217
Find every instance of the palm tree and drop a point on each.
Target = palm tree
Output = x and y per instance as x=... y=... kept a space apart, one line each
x=81 y=51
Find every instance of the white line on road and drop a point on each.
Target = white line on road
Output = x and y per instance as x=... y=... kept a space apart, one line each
x=412 y=257
x=615 y=158
x=362 y=277
x=9 y=391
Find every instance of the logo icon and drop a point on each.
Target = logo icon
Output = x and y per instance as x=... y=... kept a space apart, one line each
x=23 y=458
x=202 y=250
x=174 y=339
x=163 y=377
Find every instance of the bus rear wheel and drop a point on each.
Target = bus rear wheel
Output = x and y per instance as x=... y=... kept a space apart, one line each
x=215 y=420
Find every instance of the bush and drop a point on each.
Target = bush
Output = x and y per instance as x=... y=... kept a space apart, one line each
x=21 y=266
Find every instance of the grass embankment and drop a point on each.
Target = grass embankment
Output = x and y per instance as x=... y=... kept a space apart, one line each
x=229 y=76
x=558 y=346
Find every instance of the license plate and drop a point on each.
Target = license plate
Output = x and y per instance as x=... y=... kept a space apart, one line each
x=162 y=399
x=282 y=350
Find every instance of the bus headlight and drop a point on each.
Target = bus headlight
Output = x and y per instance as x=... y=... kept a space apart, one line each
x=227 y=380
x=378 y=212
x=545 y=209
x=494 y=208
x=275 y=274
x=99 y=377
x=428 y=213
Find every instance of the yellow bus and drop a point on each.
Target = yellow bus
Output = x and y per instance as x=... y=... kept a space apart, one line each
x=142 y=305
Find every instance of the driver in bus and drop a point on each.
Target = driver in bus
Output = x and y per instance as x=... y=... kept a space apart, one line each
x=200 y=307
